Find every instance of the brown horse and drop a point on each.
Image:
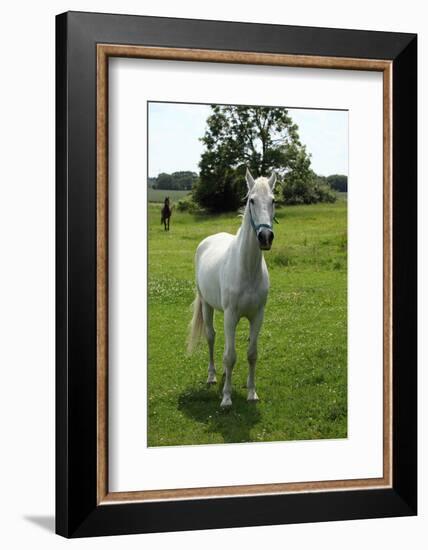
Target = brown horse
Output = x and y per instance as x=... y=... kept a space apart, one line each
x=166 y=214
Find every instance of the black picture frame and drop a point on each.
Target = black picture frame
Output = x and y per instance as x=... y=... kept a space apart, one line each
x=77 y=511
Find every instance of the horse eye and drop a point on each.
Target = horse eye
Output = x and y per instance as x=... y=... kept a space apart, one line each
x=252 y=201
x=273 y=201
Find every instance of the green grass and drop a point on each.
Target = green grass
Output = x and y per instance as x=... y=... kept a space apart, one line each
x=158 y=195
x=301 y=374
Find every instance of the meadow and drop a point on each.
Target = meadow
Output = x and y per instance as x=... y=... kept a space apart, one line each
x=158 y=195
x=301 y=375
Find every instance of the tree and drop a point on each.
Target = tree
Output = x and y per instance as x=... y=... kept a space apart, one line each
x=260 y=138
x=183 y=180
x=301 y=185
x=177 y=180
x=164 y=181
x=338 y=182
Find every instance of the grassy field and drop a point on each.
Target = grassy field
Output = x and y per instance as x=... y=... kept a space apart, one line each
x=301 y=374
x=158 y=195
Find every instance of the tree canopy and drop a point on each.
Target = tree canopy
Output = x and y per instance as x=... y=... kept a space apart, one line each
x=260 y=138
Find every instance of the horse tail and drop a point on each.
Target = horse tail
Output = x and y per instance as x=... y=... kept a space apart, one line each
x=196 y=325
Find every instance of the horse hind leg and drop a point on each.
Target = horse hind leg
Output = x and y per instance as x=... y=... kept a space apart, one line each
x=208 y=317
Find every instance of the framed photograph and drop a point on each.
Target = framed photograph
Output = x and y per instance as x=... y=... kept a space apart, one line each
x=236 y=274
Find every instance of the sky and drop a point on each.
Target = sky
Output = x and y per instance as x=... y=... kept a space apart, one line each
x=174 y=129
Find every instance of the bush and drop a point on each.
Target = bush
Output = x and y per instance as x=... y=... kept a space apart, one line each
x=222 y=191
x=324 y=194
x=309 y=191
x=187 y=204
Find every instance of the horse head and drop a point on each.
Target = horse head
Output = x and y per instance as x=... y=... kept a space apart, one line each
x=261 y=208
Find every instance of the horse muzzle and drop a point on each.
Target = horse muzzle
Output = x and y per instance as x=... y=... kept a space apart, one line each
x=265 y=237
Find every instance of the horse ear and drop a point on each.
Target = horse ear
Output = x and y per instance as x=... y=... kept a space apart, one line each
x=272 y=181
x=250 y=180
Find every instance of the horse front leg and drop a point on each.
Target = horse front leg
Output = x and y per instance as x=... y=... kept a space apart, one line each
x=255 y=326
x=229 y=356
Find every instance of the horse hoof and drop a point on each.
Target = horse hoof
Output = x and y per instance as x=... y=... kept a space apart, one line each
x=211 y=380
x=226 y=403
x=252 y=397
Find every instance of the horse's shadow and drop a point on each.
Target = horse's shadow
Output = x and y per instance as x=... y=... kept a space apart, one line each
x=202 y=404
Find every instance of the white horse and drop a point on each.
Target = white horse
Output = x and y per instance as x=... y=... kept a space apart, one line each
x=231 y=276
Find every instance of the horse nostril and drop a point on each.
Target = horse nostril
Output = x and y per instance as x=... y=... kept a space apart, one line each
x=265 y=237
